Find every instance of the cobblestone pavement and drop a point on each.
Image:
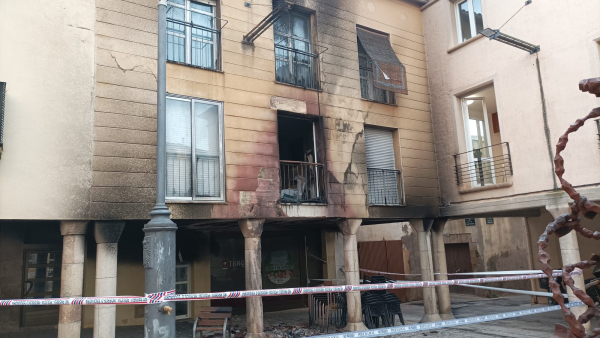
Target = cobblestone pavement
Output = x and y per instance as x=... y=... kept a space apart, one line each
x=294 y=323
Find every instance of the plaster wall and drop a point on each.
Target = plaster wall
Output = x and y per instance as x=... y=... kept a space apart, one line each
x=48 y=65
x=502 y=246
x=567 y=33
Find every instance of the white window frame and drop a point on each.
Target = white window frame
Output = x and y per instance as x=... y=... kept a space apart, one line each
x=221 y=197
x=465 y=108
x=188 y=30
x=189 y=307
x=471 y=19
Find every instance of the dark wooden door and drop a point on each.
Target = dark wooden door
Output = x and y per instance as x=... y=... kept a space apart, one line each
x=458 y=259
x=384 y=256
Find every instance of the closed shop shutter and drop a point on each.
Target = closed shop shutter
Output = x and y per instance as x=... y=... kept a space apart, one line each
x=381 y=167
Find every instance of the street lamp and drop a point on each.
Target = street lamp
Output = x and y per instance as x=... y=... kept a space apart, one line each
x=495 y=34
x=159 y=232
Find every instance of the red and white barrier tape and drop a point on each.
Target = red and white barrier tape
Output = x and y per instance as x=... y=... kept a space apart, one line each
x=478 y=273
x=171 y=296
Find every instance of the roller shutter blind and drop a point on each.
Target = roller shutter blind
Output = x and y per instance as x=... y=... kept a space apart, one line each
x=381 y=167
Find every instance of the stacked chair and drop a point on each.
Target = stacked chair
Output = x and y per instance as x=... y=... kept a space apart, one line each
x=380 y=307
x=327 y=310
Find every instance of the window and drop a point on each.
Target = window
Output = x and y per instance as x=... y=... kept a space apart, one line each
x=383 y=178
x=469 y=20
x=301 y=175
x=295 y=62
x=195 y=149
x=182 y=286
x=381 y=72
x=41 y=280
x=367 y=90
x=192 y=34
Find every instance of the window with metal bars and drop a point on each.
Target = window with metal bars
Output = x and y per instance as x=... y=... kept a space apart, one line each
x=295 y=61
x=367 y=90
x=193 y=36
x=195 y=161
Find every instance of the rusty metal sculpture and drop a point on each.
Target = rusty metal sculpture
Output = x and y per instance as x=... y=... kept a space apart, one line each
x=572 y=222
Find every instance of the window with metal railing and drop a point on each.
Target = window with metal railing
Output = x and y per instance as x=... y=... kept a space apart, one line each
x=195 y=161
x=193 y=34
x=302 y=182
x=484 y=166
x=296 y=62
x=367 y=90
x=383 y=186
x=384 y=180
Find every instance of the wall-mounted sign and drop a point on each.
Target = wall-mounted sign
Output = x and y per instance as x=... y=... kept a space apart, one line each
x=489 y=220
x=470 y=222
x=233 y=264
x=279 y=267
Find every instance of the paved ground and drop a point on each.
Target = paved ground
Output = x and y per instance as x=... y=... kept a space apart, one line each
x=293 y=323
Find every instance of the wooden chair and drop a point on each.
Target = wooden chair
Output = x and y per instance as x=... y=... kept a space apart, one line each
x=212 y=319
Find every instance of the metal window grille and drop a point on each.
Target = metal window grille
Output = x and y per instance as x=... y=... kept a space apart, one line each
x=384 y=186
x=192 y=34
x=388 y=72
x=302 y=182
x=295 y=60
x=367 y=90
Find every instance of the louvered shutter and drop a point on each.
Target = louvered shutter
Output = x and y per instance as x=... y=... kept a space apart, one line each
x=381 y=167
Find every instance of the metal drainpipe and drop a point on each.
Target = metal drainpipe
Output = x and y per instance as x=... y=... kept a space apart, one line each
x=159 y=232
x=545 y=115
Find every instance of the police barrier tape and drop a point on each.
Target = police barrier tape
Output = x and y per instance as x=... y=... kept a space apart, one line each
x=171 y=296
x=445 y=323
x=483 y=273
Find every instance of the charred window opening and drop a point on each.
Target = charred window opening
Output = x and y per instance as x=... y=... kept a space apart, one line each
x=301 y=174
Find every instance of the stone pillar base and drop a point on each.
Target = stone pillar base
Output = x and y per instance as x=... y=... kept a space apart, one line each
x=431 y=318
x=351 y=327
x=71 y=330
x=447 y=316
x=255 y=335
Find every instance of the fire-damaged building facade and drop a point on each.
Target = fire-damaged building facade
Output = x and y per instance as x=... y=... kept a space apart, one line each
x=292 y=126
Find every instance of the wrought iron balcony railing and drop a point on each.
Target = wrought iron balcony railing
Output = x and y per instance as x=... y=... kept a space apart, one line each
x=302 y=182
x=192 y=38
x=484 y=166
x=296 y=67
x=385 y=186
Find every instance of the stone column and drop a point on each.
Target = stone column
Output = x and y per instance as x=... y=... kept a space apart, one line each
x=422 y=227
x=569 y=251
x=440 y=267
x=349 y=227
x=71 y=283
x=107 y=235
x=252 y=230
